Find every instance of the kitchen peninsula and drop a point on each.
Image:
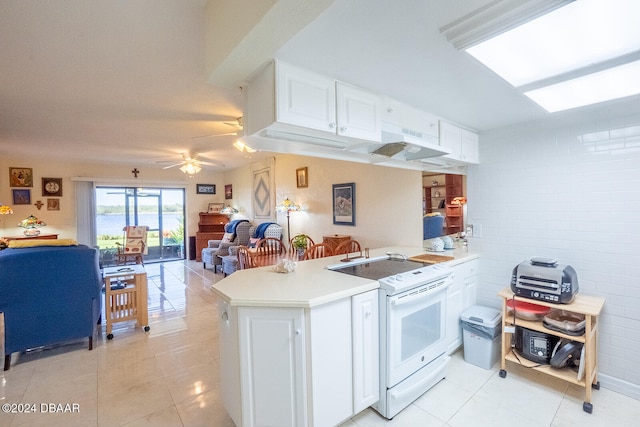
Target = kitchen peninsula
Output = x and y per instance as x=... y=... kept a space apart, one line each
x=301 y=349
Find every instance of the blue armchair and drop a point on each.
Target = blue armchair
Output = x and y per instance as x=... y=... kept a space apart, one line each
x=48 y=295
x=432 y=226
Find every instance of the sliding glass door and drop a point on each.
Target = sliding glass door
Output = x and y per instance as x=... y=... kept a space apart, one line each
x=159 y=209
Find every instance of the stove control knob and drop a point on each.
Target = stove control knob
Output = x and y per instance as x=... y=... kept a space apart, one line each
x=399 y=277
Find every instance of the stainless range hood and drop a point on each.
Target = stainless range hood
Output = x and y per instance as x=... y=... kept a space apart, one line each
x=416 y=145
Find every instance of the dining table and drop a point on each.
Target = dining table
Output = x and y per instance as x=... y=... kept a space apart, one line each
x=264 y=259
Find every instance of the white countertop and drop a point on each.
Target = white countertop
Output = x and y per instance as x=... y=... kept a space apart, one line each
x=311 y=284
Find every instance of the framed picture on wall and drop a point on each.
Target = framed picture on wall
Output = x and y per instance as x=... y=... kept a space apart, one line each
x=344 y=204
x=205 y=189
x=21 y=197
x=302 y=180
x=228 y=192
x=52 y=187
x=53 y=204
x=20 y=177
x=215 y=207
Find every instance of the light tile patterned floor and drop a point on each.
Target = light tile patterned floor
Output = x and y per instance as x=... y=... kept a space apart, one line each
x=169 y=376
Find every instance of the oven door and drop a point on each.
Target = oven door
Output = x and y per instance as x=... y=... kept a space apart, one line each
x=415 y=329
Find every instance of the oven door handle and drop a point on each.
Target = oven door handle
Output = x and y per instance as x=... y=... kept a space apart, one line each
x=407 y=299
x=400 y=394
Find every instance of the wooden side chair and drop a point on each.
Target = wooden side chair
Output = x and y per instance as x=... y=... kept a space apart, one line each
x=270 y=246
x=245 y=259
x=319 y=250
x=296 y=251
x=348 y=247
x=134 y=247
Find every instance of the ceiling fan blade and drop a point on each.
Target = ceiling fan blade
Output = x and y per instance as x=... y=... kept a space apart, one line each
x=212 y=163
x=232 y=124
x=173 y=166
x=215 y=134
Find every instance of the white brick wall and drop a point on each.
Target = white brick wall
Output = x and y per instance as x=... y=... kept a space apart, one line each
x=541 y=190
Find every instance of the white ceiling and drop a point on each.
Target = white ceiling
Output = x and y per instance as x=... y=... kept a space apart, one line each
x=118 y=81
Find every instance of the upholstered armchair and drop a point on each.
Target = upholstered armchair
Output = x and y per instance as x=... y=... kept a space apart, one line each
x=230 y=261
x=237 y=233
x=432 y=226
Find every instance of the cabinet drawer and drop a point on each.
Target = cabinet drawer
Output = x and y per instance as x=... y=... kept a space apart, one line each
x=469 y=268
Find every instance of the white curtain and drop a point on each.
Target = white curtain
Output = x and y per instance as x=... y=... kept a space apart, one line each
x=86 y=213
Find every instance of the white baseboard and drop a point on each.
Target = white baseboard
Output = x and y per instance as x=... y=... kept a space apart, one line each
x=619 y=386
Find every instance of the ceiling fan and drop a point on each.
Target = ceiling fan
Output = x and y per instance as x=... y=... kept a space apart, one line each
x=237 y=124
x=190 y=165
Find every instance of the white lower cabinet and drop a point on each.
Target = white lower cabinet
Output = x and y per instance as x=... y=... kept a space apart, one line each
x=272 y=366
x=366 y=356
x=299 y=367
x=460 y=295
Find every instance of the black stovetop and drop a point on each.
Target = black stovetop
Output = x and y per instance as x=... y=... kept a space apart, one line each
x=380 y=269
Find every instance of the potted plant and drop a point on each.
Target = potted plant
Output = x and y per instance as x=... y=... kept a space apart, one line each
x=300 y=243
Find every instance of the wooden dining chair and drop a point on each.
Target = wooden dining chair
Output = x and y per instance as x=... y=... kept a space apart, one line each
x=348 y=247
x=245 y=259
x=270 y=246
x=296 y=251
x=319 y=250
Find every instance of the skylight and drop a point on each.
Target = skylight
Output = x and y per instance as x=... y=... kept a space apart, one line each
x=613 y=83
x=584 y=50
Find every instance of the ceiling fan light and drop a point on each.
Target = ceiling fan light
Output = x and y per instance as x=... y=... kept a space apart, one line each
x=190 y=168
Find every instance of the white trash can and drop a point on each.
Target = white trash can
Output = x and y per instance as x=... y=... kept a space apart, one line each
x=481 y=328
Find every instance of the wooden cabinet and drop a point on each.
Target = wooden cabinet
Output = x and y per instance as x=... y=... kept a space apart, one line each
x=590 y=307
x=439 y=192
x=463 y=144
x=283 y=94
x=454 y=219
x=210 y=227
x=299 y=367
x=335 y=239
x=461 y=294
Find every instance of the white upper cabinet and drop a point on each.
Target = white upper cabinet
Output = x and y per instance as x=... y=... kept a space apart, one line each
x=463 y=144
x=470 y=147
x=311 y=102
x=358 y=113
x=406 y=116
x=305 y=99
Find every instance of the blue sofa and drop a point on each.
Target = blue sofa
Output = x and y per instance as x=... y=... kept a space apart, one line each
x=49 y=295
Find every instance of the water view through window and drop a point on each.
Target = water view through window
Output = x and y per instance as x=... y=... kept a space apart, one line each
x=159 y=209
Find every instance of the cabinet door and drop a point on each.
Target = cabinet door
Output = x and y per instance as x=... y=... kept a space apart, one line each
x=358 y=113
x=229 y=360
x=470 y=150
x=305 y=99
x=450 y=138
x=272 y=366
x=331 y=368
x=366 y=360
x=470 y=289
x=454 y=309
